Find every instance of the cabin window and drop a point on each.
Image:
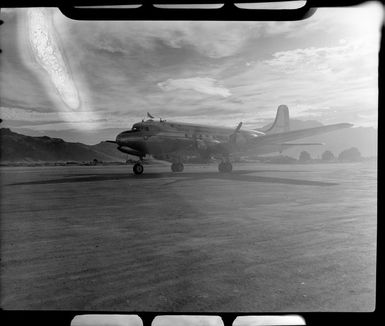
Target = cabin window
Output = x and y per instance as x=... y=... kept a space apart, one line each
x=146 y=128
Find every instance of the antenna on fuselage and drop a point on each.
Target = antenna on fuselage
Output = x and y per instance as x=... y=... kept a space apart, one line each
x=149 y=116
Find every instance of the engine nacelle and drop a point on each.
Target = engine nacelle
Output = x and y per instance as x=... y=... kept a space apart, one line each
x=131 y=151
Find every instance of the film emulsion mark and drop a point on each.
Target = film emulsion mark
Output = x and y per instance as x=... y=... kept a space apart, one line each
x=108 y=319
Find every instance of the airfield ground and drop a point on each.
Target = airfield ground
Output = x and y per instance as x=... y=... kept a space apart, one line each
x=265 y=238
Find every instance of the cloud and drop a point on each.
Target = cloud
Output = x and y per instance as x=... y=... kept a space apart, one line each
x=50 y=120
x=319 y=59
x=18 y=114
x=368 y=119
x=203 y=85
x=328 y=83
x=214 y=40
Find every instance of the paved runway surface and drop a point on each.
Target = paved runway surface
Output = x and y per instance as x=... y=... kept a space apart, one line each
x=264 y=238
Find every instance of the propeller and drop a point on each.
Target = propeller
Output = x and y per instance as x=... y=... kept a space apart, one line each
x=233 y=136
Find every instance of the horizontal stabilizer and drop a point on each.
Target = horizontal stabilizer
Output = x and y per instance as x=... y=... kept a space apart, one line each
x=301 y=144
x=298 y=134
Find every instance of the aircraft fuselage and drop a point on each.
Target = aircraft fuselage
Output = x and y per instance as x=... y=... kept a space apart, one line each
x=163 y=137
x=172 y=140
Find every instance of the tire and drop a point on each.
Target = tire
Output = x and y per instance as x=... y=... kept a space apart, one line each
x=228 y=167
x=221 y=167
x=177 y=167
x=138 y=168
x=225 y=167
x=180 y=167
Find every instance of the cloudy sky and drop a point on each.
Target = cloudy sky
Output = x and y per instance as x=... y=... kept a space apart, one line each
x=86 y=81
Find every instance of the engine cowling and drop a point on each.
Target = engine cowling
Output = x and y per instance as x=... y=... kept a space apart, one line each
x=130 y=151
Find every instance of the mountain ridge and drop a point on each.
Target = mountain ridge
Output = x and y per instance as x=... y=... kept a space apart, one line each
x=17 y=147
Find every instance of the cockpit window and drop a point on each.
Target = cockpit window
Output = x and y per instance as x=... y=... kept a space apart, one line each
x=135 y=128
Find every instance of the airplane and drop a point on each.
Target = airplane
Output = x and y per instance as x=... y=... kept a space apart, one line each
x=171 y=141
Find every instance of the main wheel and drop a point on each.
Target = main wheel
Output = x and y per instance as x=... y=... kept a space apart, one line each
x=228 y=167
x=225 y=167
x=221 y=167
x=177 y=167
x=138 y=168
x=180 y=167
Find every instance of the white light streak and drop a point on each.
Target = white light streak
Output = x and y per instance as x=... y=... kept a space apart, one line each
x=47 y=53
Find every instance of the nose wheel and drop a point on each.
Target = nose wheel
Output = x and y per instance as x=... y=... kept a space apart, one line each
x=177 y=167
x=138 y=168
x=225 y=167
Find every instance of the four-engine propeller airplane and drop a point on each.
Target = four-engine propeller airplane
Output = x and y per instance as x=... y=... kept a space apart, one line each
x=170 y=141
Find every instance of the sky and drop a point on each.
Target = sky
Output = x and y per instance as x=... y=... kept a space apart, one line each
x=87 y=81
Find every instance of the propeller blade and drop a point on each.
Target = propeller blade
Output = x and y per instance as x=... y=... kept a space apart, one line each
x=238 y=127
x=233 y=136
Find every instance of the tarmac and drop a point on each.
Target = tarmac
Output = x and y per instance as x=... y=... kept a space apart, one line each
x=265 y=238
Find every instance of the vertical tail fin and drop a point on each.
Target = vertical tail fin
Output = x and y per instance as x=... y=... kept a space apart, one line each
x=281 y=122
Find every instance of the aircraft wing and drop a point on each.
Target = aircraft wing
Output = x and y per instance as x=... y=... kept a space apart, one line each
x=298 y=134
x=300 y=144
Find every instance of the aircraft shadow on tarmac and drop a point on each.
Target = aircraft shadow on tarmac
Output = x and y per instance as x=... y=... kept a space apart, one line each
x=241 y=175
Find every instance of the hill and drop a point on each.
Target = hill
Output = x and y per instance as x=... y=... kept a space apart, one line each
x=20 y=148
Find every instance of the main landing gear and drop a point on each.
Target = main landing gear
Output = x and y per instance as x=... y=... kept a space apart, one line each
x=138 y=168
x=177 y=167
x=225 y=167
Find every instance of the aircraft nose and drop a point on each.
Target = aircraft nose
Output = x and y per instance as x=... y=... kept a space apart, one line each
x=119 y=138
x=125 y=139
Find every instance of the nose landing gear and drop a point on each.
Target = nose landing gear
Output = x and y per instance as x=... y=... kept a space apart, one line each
x=138 y=168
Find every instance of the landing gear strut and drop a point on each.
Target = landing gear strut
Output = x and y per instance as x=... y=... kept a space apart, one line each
x=177 y=167
x=138 y=168
x=225 y=167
